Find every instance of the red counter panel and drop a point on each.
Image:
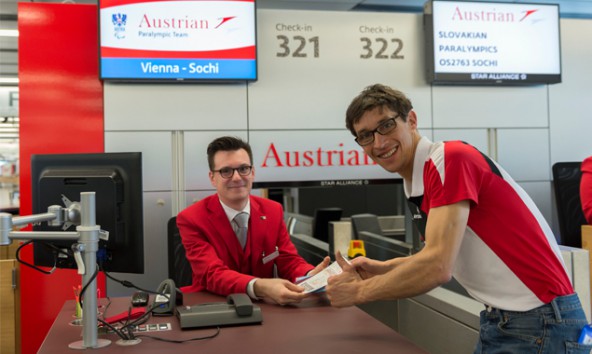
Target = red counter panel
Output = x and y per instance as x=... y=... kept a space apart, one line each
x=61 y=111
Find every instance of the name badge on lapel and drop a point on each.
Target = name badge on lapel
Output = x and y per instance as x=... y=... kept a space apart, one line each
x=270 y=257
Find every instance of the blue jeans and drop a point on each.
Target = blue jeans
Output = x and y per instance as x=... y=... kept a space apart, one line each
x=553 y=328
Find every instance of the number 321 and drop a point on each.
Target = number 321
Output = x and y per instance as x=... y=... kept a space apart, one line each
x=300 y=46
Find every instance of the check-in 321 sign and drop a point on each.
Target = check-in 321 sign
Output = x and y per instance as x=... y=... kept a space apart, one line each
x=298 y=46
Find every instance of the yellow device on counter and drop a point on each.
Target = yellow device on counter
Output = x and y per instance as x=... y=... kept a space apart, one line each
x=356 y=249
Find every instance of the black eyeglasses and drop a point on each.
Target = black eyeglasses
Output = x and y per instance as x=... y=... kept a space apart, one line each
x=228 y=172
x=367 y=137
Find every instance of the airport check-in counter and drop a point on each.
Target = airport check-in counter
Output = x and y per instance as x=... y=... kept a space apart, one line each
x=429 y=320
x=444 y=320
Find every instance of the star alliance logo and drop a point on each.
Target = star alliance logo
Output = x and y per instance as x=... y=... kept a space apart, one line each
x=119 y=22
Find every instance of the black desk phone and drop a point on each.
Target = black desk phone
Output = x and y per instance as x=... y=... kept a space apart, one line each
x=242 y=304
x=237 y=310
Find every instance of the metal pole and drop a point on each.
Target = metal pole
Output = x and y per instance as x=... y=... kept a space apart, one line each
x=87 y=235
x=89 y=240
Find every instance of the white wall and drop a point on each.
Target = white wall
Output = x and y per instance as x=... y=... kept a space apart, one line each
x=299 y=104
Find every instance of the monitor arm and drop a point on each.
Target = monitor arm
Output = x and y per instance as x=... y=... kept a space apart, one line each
x=87 y=237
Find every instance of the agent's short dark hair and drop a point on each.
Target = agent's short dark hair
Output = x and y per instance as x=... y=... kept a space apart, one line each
x=374 y=96
x=227 y=143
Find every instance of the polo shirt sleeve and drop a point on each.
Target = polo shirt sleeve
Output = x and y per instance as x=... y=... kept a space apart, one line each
x=453 y=173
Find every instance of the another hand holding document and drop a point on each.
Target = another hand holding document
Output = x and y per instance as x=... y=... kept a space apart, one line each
x=318 y=281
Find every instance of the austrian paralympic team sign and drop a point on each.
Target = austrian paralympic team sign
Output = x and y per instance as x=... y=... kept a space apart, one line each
x=178 y=40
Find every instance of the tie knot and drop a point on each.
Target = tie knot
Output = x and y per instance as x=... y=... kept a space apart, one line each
x=242 y=219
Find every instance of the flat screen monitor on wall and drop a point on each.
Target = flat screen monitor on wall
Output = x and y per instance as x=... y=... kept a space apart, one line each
x=168 y=40
x=489 y=43
x=116 y=179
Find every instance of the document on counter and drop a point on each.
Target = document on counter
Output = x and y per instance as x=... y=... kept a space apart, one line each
x=318 y=281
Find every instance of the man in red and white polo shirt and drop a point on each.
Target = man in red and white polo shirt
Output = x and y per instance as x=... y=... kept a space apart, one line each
x=478 y=225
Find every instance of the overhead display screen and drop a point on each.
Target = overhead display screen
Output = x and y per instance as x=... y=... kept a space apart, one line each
x=492 y=43
x=177 y=40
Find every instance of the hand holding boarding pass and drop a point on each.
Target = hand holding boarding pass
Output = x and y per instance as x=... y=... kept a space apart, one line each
x=318 y=281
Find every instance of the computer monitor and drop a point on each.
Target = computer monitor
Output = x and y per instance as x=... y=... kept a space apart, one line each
x=116 y=178
x=320 y=223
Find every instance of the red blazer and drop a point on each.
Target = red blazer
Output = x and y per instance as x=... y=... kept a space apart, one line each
x=586 y=188
x=218 y=261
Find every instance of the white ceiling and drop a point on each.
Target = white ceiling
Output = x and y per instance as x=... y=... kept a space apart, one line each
x=8 y=16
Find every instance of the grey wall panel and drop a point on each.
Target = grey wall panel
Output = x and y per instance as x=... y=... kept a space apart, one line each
x=157 y=212
x=175 y=106
x=301 y=89
x=524 y=153
x=156 y=155
x=489 y=107
x=569 y=102
x=475 y=137
x=428 y=133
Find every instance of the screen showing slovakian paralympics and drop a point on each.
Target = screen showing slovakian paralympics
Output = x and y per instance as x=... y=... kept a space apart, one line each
x=492 y=43
x=177 y=40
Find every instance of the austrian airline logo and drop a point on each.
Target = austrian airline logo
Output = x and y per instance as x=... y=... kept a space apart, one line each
x=119 y=21
x=492 y=15
x=224 y=20
x=182 y=23
x=527 y=13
